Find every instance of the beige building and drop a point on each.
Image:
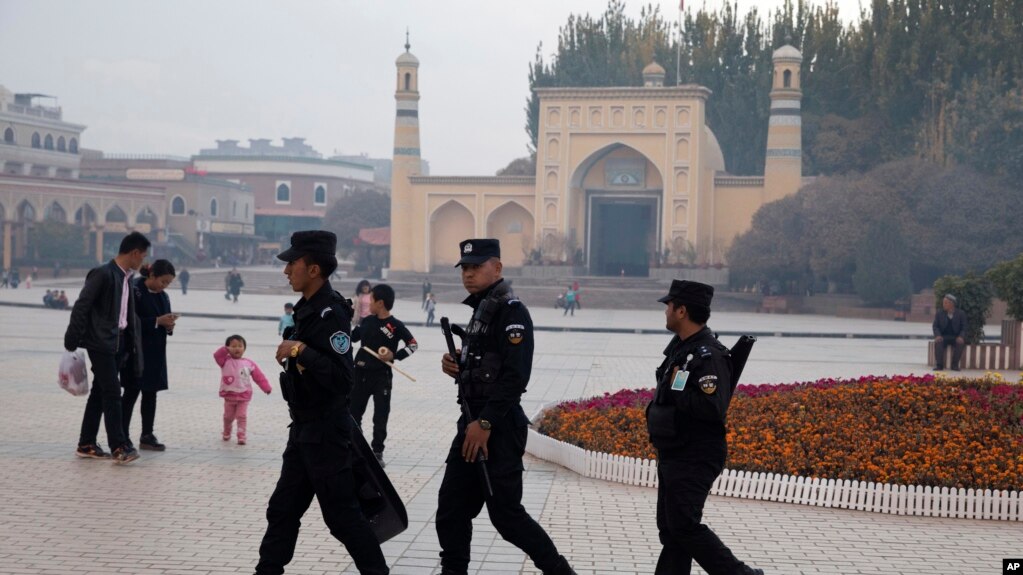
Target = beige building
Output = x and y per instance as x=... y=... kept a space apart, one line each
x=621 y=174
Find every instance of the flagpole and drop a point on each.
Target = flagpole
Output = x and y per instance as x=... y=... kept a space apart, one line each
x=678 y=46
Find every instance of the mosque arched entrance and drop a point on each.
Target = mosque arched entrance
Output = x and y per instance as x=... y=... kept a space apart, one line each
x=616 y=194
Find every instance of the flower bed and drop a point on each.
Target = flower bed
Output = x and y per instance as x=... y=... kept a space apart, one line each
x=941 y=432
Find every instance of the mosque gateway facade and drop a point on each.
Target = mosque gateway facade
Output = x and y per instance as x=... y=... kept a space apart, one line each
x=621 y=174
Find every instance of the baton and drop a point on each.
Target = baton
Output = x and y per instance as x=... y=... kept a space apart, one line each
x=445 y=327
x=389 y=363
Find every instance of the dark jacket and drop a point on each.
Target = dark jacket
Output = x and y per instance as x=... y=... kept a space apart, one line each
x=943 y=325
x=148 y=307
x=323 y=323
x=375 y=333
x=93 y=323
x=694 y=410
x=498 y=357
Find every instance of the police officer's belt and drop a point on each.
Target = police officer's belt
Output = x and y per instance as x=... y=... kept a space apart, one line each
x=314 y=414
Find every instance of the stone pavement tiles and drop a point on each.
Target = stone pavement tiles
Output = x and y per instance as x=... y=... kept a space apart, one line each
x=198 y=507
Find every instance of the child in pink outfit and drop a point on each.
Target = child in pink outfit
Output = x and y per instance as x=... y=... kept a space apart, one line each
x=236 y=377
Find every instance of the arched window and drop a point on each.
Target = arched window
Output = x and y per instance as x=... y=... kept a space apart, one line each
x=178 y=206
x=48 y=142
x=283 y=193
x=320 y=195
x=408 y=81
x=787 y=78
x=213 y=207
x=9 y=136
x=73 y=146
x=61 y=144
x=36 y=141
x=116 y=214
x=55 y=213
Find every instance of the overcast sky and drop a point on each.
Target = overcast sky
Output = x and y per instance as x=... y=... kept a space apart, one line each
x=172 y=77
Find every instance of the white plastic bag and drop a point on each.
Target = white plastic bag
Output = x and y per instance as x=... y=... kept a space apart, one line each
x=73 y=377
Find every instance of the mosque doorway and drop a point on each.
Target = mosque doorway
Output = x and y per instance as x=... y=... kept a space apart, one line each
x=622 y=234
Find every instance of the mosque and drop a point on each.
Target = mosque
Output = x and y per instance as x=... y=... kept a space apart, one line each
x=621 y=173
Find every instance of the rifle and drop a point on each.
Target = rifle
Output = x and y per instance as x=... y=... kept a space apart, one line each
x=739 y=355
x=445 y=327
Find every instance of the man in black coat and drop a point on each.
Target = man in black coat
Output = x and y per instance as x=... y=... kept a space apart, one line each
x=317 y=359
x=949 y=329
x=103 y=321
x=492 y=370
x=686 y=422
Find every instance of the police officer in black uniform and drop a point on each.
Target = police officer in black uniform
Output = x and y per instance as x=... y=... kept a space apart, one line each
x=317 y=359
x=493 y=370
x=686 y=422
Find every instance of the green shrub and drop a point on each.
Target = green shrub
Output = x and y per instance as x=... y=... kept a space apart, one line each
x=1007 y=277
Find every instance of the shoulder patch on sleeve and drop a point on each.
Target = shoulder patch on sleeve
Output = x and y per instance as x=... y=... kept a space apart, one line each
x=514 y=302
x=709 y=384
x=341 y=342
x=515 y=333
x=325 y=311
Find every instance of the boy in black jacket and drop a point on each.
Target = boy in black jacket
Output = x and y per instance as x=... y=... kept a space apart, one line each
x=380 y=332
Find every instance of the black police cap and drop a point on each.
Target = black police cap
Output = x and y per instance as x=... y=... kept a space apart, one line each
x=477 y=251
x=309 y=242
x=687 y=292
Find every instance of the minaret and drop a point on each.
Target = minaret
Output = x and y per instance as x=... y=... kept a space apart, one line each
x=406 y=233
x=783 y=170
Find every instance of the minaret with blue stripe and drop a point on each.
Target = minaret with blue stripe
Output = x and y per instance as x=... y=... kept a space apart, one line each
x=406 y=162
x=783 y=170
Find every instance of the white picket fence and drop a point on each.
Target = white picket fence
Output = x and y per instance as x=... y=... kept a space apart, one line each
x=844 y=494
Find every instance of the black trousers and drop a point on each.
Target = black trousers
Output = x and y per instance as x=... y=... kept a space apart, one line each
x=148 y=409
x=462 y=496
x=318 y=462
x=684 y=481
x=378 y=385
x=104 y=400
x=939 y=351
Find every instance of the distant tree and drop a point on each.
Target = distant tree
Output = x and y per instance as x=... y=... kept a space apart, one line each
x=525 y=166
x=774 y=248
x=882 y=264
x=953 y=220
x=56 y=240
x=1007 y=279
x=973 y=295
x=363 y=209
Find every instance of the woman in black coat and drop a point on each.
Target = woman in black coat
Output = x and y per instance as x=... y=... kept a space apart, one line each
x=154 y=311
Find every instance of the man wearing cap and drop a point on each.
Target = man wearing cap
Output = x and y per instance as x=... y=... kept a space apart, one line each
x=949 y=329
x=493 y=369
x=686 y=423
x=317 y=359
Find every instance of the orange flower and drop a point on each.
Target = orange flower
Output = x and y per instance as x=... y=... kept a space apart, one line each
x=946 y=432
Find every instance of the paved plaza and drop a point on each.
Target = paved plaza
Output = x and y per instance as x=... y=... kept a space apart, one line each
x=198 y=507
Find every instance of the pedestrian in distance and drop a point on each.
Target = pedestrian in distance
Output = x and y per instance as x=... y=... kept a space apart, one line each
x=381 y=333
x=492 y=371
x=686 y=423
x=361 y=301
x=156 y=320
x=427 y=289
x=431 y=308
x=184 y=277
x=288 y=319
x=103 y=321
x=236 y=376
x=317 y=380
